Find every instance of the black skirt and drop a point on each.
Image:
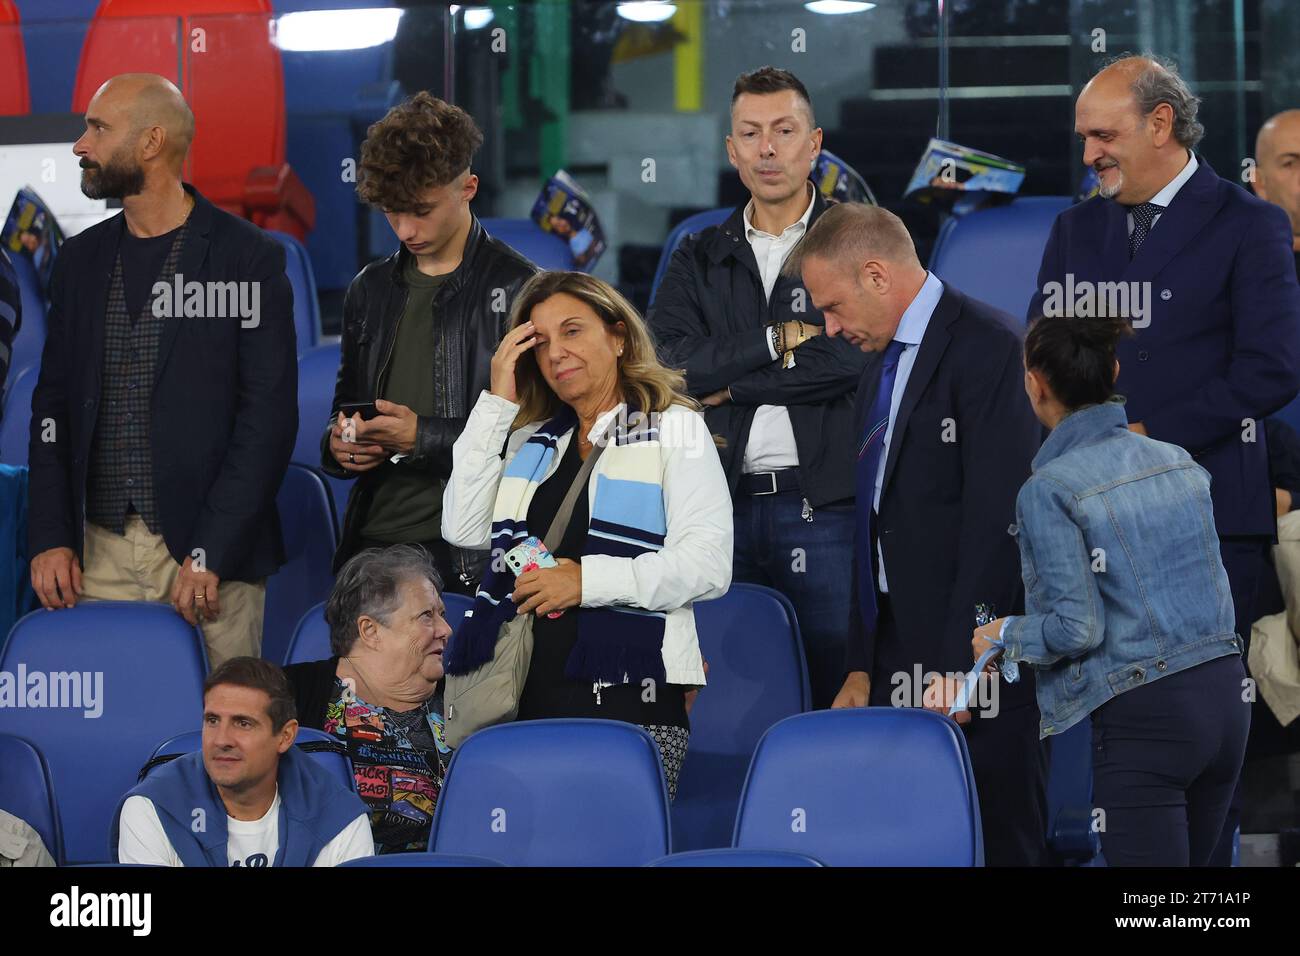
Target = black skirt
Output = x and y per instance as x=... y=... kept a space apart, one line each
x=547 y=692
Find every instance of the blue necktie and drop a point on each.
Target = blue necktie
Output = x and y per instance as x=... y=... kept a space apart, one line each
x=873 y=442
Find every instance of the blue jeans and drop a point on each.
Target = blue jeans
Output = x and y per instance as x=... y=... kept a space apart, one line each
x=810 y=562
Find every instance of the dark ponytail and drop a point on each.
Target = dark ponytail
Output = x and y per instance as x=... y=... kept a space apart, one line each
x=1076 y=356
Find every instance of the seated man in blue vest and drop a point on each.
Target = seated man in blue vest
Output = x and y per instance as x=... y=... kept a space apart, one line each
x=250 y=798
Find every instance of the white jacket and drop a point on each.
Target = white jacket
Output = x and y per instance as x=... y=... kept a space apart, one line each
x=695 y=561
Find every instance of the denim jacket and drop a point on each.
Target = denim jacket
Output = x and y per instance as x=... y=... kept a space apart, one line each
x=1120 y=559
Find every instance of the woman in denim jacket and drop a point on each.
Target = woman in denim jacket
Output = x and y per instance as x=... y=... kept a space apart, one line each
x=1128 y=617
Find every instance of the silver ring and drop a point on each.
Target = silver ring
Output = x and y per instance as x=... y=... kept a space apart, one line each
x=352 y=459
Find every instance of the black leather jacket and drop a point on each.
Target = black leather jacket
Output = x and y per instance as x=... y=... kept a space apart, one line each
x=473 y=306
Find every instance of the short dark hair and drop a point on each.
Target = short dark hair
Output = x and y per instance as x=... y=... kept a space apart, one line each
x=258 y=674
x=418 y=145
x=370 y=584
x=1076 y=356
x=771 y=79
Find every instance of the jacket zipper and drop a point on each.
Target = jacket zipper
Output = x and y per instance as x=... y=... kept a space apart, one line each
x=392 y=342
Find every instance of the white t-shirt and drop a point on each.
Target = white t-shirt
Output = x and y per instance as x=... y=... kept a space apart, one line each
x=142 y=839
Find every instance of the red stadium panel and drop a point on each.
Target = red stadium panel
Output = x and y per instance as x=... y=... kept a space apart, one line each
x=14 y=98
x=222 y=56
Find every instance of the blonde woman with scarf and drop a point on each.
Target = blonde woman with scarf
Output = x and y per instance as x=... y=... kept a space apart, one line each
x=613 y=629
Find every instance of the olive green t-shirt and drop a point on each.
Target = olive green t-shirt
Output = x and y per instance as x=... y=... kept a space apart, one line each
x=407 y=505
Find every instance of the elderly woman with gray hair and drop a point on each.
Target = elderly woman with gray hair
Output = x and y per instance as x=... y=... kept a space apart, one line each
x=379 y=692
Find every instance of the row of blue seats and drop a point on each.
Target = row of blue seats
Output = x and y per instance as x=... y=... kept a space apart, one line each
x=152 y=665
x=878 y=787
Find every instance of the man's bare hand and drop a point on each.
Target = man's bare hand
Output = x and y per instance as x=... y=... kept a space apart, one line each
x=56 y=578
x=1283 y=501
x=941 y=693
x=194 y=594
x=394 y=428
x=720 y=397
x=855 y=692
x=348 y=451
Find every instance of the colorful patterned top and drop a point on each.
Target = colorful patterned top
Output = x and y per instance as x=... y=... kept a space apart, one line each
x=400 y=759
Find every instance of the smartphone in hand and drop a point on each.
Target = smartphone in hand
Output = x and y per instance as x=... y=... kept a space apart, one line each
x=366 y=410
x=529 y=555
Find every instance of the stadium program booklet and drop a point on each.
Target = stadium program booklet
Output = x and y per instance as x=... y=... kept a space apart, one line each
x=564 y=209
x=949 y=173
x=31 y=230
x=835 y=179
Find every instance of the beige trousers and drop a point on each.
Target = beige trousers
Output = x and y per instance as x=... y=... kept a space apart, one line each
x=137 y=566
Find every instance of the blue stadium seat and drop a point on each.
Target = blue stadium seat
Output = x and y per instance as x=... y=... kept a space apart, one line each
x=318 y=370
x=757 y=677
x=310 y=641
x=732 y=857
x=871 y=786
x=307 y=518
x=30 y=340
x=695 y=223
x=993 y=255
x=526 y=238
x=1070 y=834
x=311 y=638
x=328 y=751
x=15 y=427
x=1289 y=414
x=555 y=793
x=151 y=666
x=306 y=307
x=421 y=860
x=27 y=792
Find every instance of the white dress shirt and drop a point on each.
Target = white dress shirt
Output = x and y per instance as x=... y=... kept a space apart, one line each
x=911 y=329
x=1166 y=195
x=771 y=437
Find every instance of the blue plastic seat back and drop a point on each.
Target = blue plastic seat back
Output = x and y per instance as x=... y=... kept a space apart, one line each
x=27 y=791
x=129 y=674
x=757 y=677
x=872 y=786
x=311 y=638
x=405 y=860
x=695 y=223
x=306 y=306
x=318 y=369
x=993 y=255
x=30 y=340
x=544 y=249
x=305 y=579
x=732 y=857
x=555 y=793
x=15 y=429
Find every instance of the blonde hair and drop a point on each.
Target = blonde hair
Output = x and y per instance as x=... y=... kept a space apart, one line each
x=646 y=384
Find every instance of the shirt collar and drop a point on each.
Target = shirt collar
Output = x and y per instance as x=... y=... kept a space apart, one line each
x=1080 y=426
x=797 y=228
x=1166 y=195
x=916 y=318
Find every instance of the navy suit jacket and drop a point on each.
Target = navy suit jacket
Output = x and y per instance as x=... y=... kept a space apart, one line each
x=225 y=400
x=1223 y=343
x=963 y=441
